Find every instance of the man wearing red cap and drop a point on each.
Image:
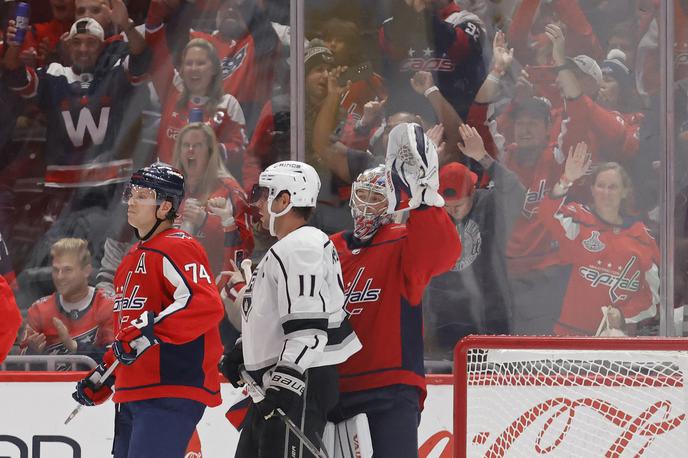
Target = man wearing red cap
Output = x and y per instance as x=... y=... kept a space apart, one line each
x=474 y=296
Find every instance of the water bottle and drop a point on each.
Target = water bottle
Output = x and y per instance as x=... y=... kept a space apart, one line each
x=23 y=14
x=196 y=115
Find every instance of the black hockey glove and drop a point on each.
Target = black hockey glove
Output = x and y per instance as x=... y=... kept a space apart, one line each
x=230 y=365
x=284 y=392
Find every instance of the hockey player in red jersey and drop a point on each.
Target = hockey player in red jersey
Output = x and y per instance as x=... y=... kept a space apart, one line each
x=386 y=268
x=11 y=318
x=77 y=318
x=167 y=311
x=615 y=259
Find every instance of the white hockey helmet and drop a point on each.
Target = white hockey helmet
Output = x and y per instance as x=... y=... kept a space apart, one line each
x=299 y=179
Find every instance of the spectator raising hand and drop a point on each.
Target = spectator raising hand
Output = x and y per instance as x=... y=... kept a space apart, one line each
x=577 y=163
x=556 y=36
x=502 y=56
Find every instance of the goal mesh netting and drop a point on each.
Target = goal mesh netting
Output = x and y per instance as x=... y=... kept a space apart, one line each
x=570 y=397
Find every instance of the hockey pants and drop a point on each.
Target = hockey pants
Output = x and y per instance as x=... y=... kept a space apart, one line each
x=270 y=438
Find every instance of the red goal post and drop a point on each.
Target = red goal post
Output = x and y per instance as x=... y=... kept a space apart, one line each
x=570 y=396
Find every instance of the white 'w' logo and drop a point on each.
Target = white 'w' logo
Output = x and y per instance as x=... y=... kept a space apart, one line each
x=86 y=123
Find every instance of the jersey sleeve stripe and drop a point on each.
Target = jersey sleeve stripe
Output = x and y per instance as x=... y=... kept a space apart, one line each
x=286 y=279
x=293 y=326
x=182 y=293
x=303 y=352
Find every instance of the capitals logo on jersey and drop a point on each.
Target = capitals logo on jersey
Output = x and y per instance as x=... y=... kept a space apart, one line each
x=132 y=301
x=427 y=62
x=618 y=282
x=83 y=339
x=86 y=124
x=230 y=64
x=355 y=296
x=533 y=198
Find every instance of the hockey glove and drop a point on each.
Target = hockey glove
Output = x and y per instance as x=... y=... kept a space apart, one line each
x=284 y=392
x=230 y=365
x=93 y=390
x=412 y=169
x=134 y=340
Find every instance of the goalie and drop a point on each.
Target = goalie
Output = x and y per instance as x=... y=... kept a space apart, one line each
x=386 y=267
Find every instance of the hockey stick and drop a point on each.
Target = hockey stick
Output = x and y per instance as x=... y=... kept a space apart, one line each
x=253 y=386
x=104 y=377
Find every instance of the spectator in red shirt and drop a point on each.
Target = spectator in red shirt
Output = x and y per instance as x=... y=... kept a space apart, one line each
x=77 y=318
x=592 y=104
x=41 y=45
x=246 y=44
x=198 y=84
x=215 y=209
x=343 y=38
x=614 y=258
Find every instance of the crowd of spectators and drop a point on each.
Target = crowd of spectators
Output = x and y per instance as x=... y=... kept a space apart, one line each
x=545 y=114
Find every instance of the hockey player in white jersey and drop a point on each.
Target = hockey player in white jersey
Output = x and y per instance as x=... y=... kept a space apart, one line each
x=293 y=325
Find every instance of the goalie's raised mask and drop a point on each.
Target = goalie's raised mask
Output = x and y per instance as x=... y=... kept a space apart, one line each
x=369 y=202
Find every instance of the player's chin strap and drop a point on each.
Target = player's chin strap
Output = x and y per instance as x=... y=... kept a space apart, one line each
x=157 y=224
x=274 y=215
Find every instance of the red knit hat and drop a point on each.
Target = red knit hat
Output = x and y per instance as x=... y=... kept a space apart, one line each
x=456 y=181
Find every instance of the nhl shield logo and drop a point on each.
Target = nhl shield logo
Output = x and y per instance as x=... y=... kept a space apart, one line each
x=593 y=243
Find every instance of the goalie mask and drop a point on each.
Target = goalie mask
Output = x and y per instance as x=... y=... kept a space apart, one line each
x=369 y=203
x=299 y=179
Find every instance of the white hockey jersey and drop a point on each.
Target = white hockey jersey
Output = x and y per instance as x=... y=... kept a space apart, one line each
x=292 y=309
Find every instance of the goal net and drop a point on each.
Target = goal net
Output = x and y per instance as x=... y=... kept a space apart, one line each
x=570 y=397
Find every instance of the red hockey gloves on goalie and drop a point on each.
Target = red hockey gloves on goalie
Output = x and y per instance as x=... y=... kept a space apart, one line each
x=93 y=390
x=134 y=340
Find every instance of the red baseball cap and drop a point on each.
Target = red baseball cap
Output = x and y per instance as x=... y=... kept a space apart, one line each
x=456 y=181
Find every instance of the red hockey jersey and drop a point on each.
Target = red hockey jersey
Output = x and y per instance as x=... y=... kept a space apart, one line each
x=530 y=247
x=11 y=318
x=91 y=327
x=612 y=265
x=384 y=283
x=170 y=276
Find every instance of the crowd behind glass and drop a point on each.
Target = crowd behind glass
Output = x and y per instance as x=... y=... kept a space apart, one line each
x=546 y=116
